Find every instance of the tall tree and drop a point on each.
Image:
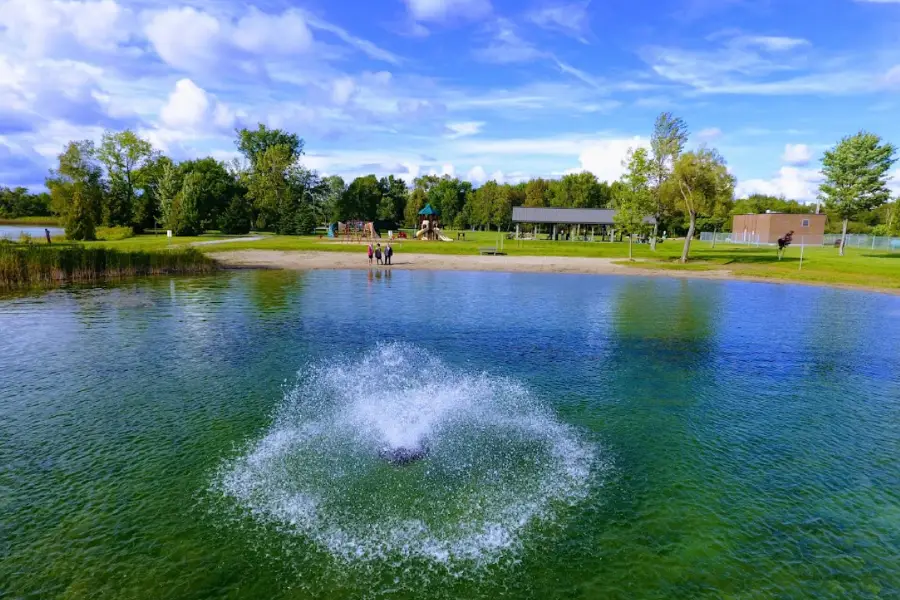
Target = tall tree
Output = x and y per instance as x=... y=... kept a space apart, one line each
x=537 y=193
x=146 y=208
x=670 y=134
x=703 y=181
x=79 y=219
x=635 y=202
x=269 y=187
x=124 y=154
x=78 y=171
x=394 y=195
x=334 y=188
x=167 y=192
x=253 y=143
x=856 y=176
x=215 y=186
x=361 y=200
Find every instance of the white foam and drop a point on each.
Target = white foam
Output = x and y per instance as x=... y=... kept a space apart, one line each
x=499 y=461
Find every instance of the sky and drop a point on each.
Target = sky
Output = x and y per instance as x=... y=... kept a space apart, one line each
x=479 y=89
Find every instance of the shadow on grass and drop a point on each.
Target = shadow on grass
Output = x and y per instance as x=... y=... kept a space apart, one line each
x=882 y=255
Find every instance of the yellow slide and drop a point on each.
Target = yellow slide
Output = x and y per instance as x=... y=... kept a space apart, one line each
x=420 y=233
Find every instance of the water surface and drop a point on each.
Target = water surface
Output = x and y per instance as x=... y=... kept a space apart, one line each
x=14 y=232
x=588 y=437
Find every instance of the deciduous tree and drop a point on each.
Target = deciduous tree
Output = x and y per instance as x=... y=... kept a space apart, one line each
x=670 y=134
x=124 y=154
x=856 y=176
x=703 y=181
x=635 y=202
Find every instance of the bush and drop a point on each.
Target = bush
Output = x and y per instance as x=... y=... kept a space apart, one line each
x=111 y=234
x=236 y=218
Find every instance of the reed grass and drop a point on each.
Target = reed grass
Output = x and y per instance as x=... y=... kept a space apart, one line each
x=24 y=265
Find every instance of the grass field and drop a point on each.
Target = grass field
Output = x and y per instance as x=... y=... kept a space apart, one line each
x=820 y=265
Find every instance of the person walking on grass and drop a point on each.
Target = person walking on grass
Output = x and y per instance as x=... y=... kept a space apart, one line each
x=47 y=233
x=388 y=253
x=371 y=252
x=378 y=254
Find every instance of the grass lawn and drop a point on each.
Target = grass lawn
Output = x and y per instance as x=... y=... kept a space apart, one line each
x=821 y=265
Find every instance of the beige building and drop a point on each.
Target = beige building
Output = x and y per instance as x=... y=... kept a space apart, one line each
x=768 y=227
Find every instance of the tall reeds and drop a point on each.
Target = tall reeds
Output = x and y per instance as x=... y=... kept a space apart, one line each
x=23 y=265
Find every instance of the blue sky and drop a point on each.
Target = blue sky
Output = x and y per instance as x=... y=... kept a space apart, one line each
x=478 y=88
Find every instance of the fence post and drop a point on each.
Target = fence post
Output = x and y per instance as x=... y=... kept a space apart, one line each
x=802 y=244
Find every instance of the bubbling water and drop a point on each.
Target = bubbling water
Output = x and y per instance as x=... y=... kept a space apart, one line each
x=494 y=461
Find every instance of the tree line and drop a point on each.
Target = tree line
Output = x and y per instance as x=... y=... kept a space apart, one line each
x=124 y=181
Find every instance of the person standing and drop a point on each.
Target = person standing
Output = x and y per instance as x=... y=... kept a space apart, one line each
x=378 y=254
x=47 y=233
x=388 y=253
x=371 y=253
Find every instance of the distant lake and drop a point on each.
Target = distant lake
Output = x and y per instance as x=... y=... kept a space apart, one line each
x=14 y=232
x=578 y=437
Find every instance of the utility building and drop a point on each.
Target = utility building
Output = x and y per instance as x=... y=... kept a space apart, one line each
x=766 y=228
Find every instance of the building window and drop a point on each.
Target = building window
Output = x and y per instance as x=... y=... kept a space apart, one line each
x=805 y=223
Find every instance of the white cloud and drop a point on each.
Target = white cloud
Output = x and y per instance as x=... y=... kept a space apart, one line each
x=442 y=10
x=506 y=46
x=191 y=108
x=709 y=134
x=259 y=33
x=463 y=129
x=342 y=90
x=167 y=34
x=604 y=158
x=571 y=19
x=54 y=27
x=791 y=182
x=477 y=175
x=796 y=154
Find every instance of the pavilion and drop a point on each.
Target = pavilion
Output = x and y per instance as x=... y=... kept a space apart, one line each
x=570 y=220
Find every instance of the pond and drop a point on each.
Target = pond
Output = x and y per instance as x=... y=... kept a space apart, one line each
x=271 y=434
x=14 y=232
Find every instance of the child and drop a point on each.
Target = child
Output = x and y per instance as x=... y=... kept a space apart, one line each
x=370 y=254
x=378 y=254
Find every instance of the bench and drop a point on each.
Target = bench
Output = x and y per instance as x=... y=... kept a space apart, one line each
x=491 y=251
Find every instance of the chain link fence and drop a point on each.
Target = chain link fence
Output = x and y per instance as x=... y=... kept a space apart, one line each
x=868 y=242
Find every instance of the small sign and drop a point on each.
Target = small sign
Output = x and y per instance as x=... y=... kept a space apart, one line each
x=168 y=233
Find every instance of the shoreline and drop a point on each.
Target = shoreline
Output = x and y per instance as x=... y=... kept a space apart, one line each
x=301 y=260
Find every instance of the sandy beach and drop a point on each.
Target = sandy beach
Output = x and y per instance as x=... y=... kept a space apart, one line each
x=275 y=259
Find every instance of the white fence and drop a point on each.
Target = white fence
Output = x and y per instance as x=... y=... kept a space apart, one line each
x=869 y=242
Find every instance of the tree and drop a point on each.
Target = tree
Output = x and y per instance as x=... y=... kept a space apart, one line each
x=147 y=203
x=79 y=219
x=215 y=186
x=487 y=197
x=537 y=193
x=448 y=195
x=361 y=200
x=394 y=195
x=269 y=187
x=187 y=211
x=78 y=170
x=333 y=188
x=703 y=181
x=670 y=134
x=19 y=202
x=124 y=154
x=237 y=218
x=253 y=144
x=856 y=176
x=636 y=200
x=167 y=192
x=417 y=201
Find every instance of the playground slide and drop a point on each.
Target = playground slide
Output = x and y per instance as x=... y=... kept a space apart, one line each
x=420 y=233
x=444 y=238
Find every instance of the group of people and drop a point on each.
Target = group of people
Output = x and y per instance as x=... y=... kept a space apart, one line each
x=382 y=256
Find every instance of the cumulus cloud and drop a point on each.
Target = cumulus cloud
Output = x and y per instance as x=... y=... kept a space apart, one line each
x=796 y=154
x=793 y=183
x=190 y=107
x=477 y=175
x=604 y=158
x=166 y=32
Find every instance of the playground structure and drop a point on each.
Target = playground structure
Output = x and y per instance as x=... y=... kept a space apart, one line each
x=429 y=225
x=353 y=231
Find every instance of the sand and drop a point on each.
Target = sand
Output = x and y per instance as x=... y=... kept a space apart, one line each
x=305 y=260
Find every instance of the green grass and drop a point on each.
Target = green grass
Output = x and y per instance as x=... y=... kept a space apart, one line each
x=25 y=265
x=859 y=267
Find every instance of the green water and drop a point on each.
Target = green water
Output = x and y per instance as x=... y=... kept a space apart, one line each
x=587 y=437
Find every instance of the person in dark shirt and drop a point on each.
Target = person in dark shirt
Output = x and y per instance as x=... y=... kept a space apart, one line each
x=378 y=254
x=47 y=233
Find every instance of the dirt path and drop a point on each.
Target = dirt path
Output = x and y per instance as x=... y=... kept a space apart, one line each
x=228 y=241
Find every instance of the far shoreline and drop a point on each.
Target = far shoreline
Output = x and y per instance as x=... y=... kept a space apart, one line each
x=300 y=260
